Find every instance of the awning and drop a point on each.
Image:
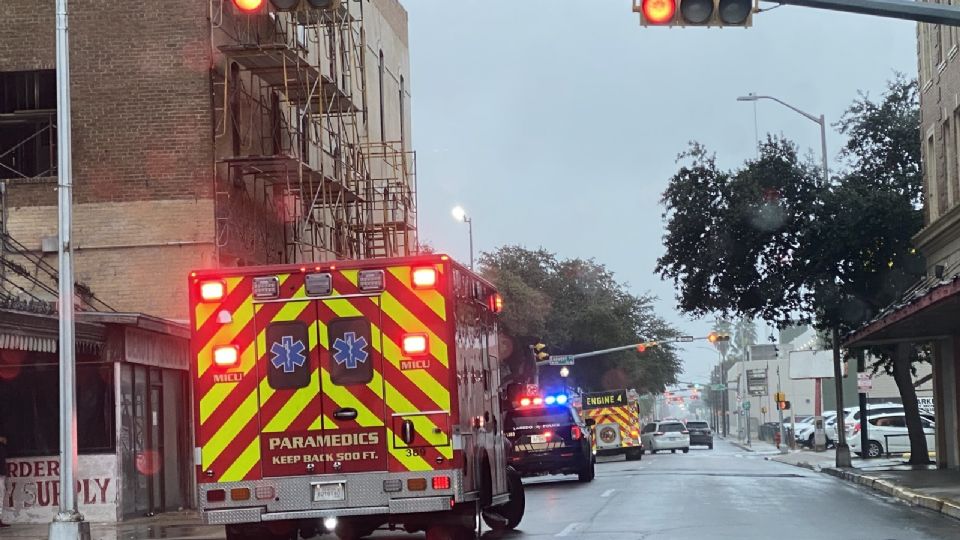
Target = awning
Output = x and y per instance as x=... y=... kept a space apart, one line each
x=33 y=332
x=930 y=310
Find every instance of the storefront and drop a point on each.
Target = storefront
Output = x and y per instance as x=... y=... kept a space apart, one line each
x=132 y=415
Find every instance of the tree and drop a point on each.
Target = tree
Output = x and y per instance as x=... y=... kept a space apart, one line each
x=575 y=306
x=774 y=240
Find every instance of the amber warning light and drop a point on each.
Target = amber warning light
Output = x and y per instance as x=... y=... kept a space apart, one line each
x=414 y=344
x=248 y=6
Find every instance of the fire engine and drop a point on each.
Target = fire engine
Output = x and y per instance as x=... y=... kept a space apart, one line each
x=617 y=417
x=347 y=397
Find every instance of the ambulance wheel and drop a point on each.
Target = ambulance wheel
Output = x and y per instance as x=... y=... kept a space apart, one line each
x=351 y=530
x=508 y=516
x=685 y=450
x=634 y=454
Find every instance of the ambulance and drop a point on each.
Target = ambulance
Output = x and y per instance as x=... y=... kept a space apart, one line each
x=349 y=396
x=616 y=414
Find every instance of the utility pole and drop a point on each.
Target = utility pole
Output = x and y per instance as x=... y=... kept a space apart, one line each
x=864 y=425
x=843 y=451
x=783 y=436
x=68 y=523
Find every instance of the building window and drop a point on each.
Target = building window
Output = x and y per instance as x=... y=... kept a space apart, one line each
x=28 y=105
x=403 y=113
x=950 y=165
x=383 y=123
x=933 y=193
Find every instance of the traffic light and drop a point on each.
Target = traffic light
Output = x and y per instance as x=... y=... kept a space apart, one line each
x=540 y=352
x=714 y=337
x=783 y=405
x=251 y=7
x=695 y=12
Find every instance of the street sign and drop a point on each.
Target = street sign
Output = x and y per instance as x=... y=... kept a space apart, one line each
x=757 y=382
x=763 y=352
x=565 y=360
x=718 y=387
x=864 y=383
x=746 y=405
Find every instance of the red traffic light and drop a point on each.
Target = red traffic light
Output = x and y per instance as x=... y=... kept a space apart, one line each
x=658 y=11
x=249 y=6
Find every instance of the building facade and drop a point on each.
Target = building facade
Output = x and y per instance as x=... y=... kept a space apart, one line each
x=929 y=313
x=204 y=136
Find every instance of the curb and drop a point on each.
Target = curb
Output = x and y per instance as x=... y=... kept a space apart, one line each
x=946 y=507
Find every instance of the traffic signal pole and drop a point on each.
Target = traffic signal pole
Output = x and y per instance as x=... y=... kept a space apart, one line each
x=909 y=10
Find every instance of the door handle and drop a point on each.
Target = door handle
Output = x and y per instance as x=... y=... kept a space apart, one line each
x=407 y=433
x=345 y=413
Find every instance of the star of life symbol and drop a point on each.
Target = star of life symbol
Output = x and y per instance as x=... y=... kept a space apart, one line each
x=288 y=354
x=350 y=350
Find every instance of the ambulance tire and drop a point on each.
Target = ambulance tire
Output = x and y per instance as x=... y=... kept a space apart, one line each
x=634 y=454
x=351 y=530
x=261 y=532
x=512 y=511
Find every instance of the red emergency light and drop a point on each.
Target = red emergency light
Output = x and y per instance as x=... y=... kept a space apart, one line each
x=212 y=291
x=424 y=278
x=415 y=344
x=226 y=355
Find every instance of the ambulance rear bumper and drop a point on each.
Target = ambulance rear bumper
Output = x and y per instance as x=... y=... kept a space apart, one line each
x=396 y=506
x=365 y=495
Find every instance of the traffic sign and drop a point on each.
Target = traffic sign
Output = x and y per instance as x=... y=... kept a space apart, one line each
x=864 y=383
x=718 y=387
x=746 y=405
x=565 y=360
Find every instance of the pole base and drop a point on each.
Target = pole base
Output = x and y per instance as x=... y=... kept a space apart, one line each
x=70 y=530
x=843 y=456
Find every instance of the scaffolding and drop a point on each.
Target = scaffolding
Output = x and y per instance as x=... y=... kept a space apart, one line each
x=293 y=104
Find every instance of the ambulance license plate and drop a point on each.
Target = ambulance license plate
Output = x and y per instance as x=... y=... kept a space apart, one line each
x=538 y=439
x=329 y=492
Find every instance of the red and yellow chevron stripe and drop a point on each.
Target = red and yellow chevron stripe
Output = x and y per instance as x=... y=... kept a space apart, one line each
x=238 y=408
x=626 y=417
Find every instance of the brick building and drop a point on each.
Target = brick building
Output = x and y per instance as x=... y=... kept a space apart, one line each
x=204 y=137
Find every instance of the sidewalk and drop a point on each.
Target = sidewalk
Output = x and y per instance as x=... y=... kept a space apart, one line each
x=170 y=526
x=917 y=485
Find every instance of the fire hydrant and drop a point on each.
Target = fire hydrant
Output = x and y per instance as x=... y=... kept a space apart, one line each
x=776 y=438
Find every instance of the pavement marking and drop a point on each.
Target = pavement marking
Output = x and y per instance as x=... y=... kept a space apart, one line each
x=569 y=529
x=608 y=493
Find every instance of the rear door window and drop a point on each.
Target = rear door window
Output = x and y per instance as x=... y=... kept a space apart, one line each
x=537 y=418
x=288 y=355
x=351 y=351
x=672 y=427
x=696 y=425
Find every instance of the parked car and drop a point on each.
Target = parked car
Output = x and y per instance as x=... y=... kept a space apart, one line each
x=888 y=433
x=665 y=435
x=806 y=435
x=700 y=434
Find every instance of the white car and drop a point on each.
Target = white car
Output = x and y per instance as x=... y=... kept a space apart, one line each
x=806 y=432
x=665 y=435
x=852 y=414
x=888 y=433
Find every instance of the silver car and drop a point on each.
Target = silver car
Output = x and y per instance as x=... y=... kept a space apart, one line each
x=665 y=435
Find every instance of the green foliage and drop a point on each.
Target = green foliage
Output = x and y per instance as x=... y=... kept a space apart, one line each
x=773 y=240
x=575 y=306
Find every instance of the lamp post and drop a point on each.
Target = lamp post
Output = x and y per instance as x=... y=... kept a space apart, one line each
x=843 y=451
x=564 y=373
x=460 y=214
x=69 y=522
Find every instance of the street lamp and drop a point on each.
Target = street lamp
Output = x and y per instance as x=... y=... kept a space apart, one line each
x=564 y=372
x=460 y=214
x=843 y=451
x=818 y=120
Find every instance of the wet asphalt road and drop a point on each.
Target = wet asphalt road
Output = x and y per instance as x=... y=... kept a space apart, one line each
x=719 y=494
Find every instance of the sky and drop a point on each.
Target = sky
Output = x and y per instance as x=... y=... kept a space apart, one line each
x=557 y=124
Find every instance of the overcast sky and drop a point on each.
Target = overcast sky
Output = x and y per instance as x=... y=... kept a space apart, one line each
x=557 y=123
